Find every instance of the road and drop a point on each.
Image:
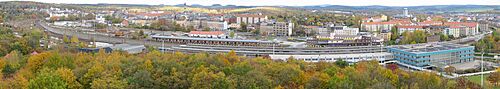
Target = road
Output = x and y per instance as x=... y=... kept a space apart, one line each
x=101 y=38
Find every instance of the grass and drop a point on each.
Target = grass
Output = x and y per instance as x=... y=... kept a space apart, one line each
x=477 y=79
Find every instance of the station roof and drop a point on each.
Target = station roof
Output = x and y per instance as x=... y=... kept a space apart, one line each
x=212 y=39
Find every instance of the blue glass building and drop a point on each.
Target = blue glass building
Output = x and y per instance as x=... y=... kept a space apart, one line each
x=431 y=54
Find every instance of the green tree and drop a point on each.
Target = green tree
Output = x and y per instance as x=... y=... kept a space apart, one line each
x=444 y=37
x=243 y=27
x=142 y=79
x=341 y=63
x=395 y=33
x=47 y=80
x=231 y=34
x=66 y=39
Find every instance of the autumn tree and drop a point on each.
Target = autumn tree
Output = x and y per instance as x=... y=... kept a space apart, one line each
x=205 y=78
x=47 y=79
x=68 y=76
x=449 y=70
x=74 y=39
x=494 y=77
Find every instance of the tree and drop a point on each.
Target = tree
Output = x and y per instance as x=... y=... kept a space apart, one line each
x=395 y=33
x=243 y=27
x=231 y=34
x=141 y=79
x=19 y=82
x=466 y=84
x=318 y=81
x=108 y=82
x=444 y=37
x=207 y=79
x=66 y=39
x=392 y=67
x=176 y=80
x=93 y=73
x=68 y=76
x=232 y=57
x=341 y=63
x=449 y=70
x=1 y=18
x=47 y=80
x=148 y=65
x=494 y=78
x=2 y=65
x=206 y=29
x=74 y=39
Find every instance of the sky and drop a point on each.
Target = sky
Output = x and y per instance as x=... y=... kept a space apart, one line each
x=282 y=2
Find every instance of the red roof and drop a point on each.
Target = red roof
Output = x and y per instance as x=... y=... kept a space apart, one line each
x=125 y=22
x=390 y=22
x=376 y=23
x=467 y=24
x=207 y=32
x=430 y=23
x=34 y=53
x=410 y=26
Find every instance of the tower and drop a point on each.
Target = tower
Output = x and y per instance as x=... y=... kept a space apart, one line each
x=406 y=12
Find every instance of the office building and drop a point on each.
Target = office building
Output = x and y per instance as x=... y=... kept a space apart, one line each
x=428 y=55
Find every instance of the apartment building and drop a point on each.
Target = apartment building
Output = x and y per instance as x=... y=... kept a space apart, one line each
x=277 y=28
x=250 y=18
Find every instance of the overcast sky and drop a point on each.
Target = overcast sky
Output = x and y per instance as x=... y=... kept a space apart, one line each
x=282 y=2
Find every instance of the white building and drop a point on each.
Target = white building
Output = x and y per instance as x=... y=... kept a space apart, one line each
x=100 y=18
x=346 y=31
x=411 y=28
x=453 y=31
x=250 y=18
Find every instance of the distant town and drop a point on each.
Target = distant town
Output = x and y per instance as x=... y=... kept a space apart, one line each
x=459 y=42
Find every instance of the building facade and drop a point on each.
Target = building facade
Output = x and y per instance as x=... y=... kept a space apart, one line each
x=431 y=54
x=277 y=28
x=250 y=18
x=346 y=31
x=404 y=28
